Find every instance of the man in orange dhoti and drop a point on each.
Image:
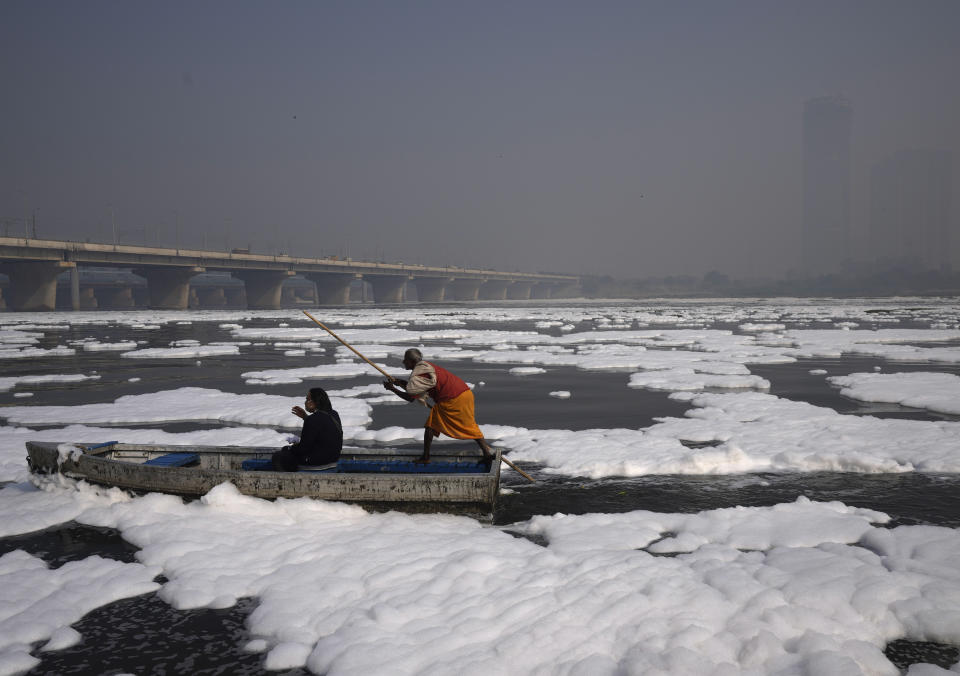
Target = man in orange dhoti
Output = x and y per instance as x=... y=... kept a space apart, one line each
x=452 y=412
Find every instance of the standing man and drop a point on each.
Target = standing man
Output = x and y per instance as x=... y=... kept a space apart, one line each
x=452 y=413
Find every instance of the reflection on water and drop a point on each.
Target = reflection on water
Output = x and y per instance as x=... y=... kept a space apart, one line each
x=71 y=542
x=903 y=653
x=145 y=635
x=909 y=498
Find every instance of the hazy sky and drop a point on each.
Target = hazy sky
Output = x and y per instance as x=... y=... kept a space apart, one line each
x=625 y=138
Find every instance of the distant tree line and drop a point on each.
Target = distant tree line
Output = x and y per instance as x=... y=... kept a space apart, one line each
x=874 y=279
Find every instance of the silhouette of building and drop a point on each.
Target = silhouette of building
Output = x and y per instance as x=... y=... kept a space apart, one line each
x=826 y=184
x=911 y=208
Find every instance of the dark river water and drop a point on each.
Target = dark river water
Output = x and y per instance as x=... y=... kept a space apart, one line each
x=144 y=635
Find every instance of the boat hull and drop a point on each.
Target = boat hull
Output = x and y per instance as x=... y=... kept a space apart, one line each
x=122 y=466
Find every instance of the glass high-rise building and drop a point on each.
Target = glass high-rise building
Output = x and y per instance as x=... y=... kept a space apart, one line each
x=826 y=184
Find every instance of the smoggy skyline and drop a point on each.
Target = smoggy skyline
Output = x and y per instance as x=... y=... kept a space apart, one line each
x=624 y=138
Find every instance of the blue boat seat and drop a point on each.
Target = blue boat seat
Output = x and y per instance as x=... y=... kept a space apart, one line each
x=266 y=465
x=173 y=460
x=376 y=466
x=105 y=443
x=410 y=467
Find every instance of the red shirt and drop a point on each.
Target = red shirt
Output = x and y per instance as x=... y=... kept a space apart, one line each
x=436 y=381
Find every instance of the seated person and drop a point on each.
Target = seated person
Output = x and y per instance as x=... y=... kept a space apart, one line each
x=320 y=440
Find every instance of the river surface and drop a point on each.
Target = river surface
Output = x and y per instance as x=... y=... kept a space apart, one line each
x=145 y=635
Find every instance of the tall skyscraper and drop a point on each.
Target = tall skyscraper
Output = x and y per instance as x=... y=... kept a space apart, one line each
x=911 y=207
x=826 y=184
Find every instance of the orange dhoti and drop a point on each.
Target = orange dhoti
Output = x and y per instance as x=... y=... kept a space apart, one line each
x=455 y=418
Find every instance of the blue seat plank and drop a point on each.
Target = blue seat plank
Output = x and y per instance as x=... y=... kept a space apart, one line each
x=105 y=443
x=379 y=466
x=410 y=467
x=173 y=460
x=257 y=464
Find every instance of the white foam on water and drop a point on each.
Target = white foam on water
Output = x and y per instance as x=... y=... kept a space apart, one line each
x=753 y=432
x=36 y=352
x=188 y=404
x=8 y=383
x=800 y=587
x=679 y=379
x=892 y=344
x=526 y=370
x=939 y=392
x=41 y=603
x=185 y=352
x=305 y=373
x=109 y=347
x=795 y=588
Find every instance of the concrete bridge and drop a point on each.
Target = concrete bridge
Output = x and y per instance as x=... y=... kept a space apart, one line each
x=33 y=266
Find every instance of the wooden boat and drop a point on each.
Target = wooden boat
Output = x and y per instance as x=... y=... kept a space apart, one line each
x=378 y=477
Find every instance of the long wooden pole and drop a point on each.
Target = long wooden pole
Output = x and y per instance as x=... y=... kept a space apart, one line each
x=350 y=347
x=393 y=380
x=519 y=471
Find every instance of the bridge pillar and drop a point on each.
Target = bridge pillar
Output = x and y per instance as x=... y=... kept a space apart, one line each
x=494 y=289
x=88 y=298
x=332 y=288
x=74 y=288
x=297 y=296
x=264 y=287
x=431 y=289
x=519 y=290
x=168 y=288
x=387 y=288
x=541 y=290
x=33 y=284
x=235 y=295
x=211 y=296
x=118 y=298
x=465 y=288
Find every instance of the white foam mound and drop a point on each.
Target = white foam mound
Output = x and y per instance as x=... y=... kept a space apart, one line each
x=189 y=404
x=301 y=374
x=747 y=432
x=41 y=603
x=526 y=370
x=802 y=587
x=109 y=347
x=938 y=392
x=681 y=379
x=9 y=383
x=36 y=352
x=185 y=352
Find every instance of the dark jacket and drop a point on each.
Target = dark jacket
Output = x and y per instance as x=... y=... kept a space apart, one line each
x=320 y=440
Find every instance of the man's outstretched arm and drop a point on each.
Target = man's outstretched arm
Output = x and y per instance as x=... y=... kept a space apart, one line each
x=392 y=387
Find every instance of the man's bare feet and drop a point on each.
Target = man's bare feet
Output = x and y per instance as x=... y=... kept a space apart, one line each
x=422 y=460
